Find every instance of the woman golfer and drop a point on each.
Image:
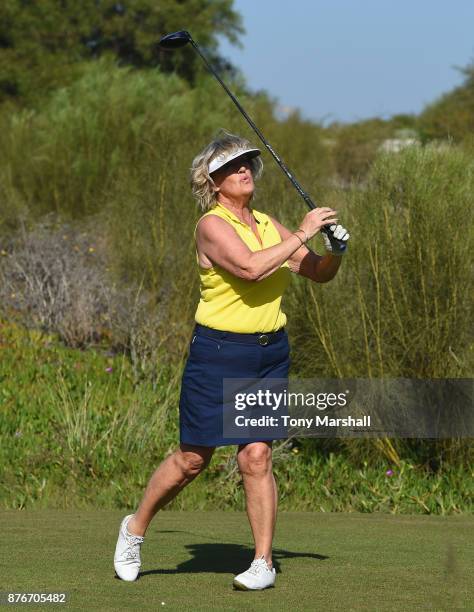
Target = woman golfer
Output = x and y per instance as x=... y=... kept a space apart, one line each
x=245 y=258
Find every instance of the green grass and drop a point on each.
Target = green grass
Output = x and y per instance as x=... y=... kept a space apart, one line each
x=324 y=561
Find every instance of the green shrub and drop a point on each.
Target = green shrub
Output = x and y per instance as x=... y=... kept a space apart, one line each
x=116 y=122
x=401 y=305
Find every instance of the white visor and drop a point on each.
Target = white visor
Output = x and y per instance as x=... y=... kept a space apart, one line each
x=225 y=158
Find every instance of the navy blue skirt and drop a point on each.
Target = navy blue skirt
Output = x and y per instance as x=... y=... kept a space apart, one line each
x=213 y=357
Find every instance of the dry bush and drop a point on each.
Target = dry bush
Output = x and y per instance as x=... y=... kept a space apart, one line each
x=51 y=279
x=55 y=277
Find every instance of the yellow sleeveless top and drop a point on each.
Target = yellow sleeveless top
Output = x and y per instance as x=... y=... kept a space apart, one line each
x=230 y=303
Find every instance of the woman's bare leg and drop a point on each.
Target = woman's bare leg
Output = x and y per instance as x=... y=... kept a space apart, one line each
x=255 y=464
x=173 y=474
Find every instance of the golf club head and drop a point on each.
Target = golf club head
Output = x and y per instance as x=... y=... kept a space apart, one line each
x=175 y=40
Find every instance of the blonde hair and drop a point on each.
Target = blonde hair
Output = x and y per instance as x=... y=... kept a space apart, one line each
x=201 y=182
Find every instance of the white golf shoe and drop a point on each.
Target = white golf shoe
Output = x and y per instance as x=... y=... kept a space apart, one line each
x=127 y=560
x=258 y=576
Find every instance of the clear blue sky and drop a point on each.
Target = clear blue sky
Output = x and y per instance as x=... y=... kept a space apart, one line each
x=351 y=59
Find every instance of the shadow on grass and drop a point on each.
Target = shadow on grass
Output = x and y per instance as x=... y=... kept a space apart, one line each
x=224 y=558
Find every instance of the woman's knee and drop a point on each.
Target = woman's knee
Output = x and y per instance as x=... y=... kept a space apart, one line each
x=255 y=458
x=193 y=460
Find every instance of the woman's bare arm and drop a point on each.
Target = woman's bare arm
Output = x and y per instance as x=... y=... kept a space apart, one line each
x=220 y=243
x=309 y=264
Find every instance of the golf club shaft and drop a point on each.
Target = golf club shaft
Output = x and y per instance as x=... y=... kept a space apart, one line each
x=178 y=39
x=298 y=187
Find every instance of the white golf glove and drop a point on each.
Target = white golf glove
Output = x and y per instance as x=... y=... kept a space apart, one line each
x=332 y=246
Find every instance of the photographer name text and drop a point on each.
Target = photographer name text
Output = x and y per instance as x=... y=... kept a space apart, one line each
x=286 y=420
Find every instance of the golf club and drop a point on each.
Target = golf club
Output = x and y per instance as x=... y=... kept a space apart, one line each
x=182 y=38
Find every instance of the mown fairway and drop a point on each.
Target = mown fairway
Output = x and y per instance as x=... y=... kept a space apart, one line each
x=325 y=561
